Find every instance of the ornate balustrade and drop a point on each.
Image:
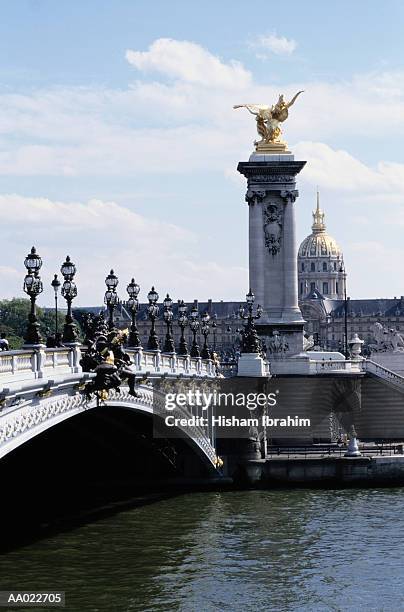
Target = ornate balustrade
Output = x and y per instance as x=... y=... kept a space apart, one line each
x=44 y=363
x=376 y=369
x=309 y=364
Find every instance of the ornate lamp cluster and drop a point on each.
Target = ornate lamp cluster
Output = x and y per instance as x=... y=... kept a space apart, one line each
x=33 y=287
x=250 y=341
x=111 y=300
x=69 y=292
x=193 y=320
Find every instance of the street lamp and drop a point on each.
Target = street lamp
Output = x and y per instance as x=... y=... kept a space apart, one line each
x=133 y=305
x=205 y=332
x=194 y=325
x=346 y=352
x=153 y=311
x=56 y=284
x=69 y=292
x=250 y=340
x=168 y=318
x=214 y=329
x=33 y=287
x=111 y=298
x=182 y=322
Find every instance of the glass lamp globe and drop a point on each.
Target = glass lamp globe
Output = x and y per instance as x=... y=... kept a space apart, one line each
x=152 y=296
x=111 y=281
x=32 y=261
x=68 y=269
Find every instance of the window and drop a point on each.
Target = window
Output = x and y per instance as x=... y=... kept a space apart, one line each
x=325 y=288
x=312 y=285
x=324 y=266
x=335 y=265
x=336 y=287
x=312 y=267
x=302 y=267
x=301 y=288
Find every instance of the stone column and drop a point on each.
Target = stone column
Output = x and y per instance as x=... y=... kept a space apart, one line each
x=271 y=196
x=291 y=308
x=256 y=245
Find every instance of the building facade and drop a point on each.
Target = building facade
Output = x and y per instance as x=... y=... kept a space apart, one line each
x=320 y=262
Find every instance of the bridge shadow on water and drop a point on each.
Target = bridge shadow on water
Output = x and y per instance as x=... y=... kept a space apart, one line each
x=90 y=466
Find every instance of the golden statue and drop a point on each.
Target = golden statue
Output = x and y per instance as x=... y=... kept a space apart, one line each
x=268 y=120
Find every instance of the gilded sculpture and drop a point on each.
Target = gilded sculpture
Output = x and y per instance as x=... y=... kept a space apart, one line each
x=268 y=120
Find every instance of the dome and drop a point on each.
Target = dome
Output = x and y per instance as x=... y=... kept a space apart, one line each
x=319 y=243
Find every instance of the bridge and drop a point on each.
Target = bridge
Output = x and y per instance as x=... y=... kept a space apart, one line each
x=42 y=387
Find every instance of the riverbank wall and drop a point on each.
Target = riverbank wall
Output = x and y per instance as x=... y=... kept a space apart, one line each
x=337 y=470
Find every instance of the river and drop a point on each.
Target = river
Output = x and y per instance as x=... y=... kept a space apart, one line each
x=280 y=550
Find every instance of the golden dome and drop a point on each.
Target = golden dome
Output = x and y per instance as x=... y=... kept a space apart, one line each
x=319 y=243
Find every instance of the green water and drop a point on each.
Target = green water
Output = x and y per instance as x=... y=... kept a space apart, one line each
x=251 y=550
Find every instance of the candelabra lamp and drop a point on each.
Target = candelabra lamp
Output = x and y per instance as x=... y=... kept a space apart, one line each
x=55 y=284
x=182 y=322
x=33 y=287
x=214 y=330
x=205 y=329
x=250 y=341
x=168 y=318
x=69 y=292
x=153 y=312
x=133 y=305
x=111 y=298
x=194 y=325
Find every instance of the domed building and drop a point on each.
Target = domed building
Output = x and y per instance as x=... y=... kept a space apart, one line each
x=320 y=262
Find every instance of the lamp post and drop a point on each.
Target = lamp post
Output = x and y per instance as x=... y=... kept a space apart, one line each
x=346 y=352
x=133 y=305
x=194 y=325
x=111 y=298
x=214 y=330
x=56 y=284
x=168 y=318
x=250 y=340
x=153 y=311
x=182 y=322
x=33 y=287
x=69 y=292
x=205 y=332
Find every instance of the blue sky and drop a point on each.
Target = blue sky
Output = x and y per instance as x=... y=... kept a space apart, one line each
x=118 y=142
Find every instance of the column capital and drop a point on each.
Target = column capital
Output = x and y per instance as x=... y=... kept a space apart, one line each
x=289 y=195
x=253 y=196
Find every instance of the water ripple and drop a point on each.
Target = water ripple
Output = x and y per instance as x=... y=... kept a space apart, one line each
x=304 y=551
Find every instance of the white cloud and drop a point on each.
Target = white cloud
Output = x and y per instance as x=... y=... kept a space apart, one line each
x=99 y=235
x=188 y=61
x=341 y=171
x=185 y=124
x=267 y=44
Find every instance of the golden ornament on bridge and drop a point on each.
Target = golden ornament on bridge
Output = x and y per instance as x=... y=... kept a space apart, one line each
x=268 y=120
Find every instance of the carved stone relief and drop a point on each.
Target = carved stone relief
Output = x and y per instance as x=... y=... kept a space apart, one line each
x=272 y=225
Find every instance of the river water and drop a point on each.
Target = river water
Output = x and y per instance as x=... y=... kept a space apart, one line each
x=281 y=550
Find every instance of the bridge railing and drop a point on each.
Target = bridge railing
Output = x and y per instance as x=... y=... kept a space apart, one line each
x=388 y=375
x=28 y=364
x=156 y=361
x=38 y=363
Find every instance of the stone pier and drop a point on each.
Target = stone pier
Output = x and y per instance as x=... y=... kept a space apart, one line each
x=271 y=197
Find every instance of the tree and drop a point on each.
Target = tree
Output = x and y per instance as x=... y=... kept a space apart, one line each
x=14 y=317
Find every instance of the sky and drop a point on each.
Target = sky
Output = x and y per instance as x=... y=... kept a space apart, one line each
x=119 y=144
